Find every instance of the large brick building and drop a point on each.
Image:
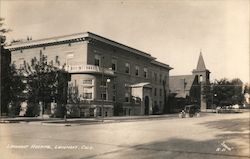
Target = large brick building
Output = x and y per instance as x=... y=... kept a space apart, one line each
x=108 y=75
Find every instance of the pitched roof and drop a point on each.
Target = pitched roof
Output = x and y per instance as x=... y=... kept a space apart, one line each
x=201 y=63
x=181 y=84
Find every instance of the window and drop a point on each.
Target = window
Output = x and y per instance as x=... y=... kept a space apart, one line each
x=89 y=81
x=145 y=72
x=104 y=96
x=160 y=78
x=155 y=91
x=126 y=97
x=97 y=60
x=114 y=64
x=87 y=93
x=165 y=78
x=155 y=75
x=201 y=78
x=137 y=70
x=160 y=92
x=127 y=68
x=103 y=83
x=114 y=98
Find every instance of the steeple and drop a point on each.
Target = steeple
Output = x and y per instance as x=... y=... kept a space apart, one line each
x=201 y=63
x=203 y=76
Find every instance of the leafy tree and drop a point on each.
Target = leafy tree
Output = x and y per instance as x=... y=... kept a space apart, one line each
x=247 y=88
x=227 y=92
x=46 y=83
x=14 y=95
x=74 y=99
x=4 y=68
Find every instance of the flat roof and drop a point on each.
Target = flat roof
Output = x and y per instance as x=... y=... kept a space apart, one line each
x=161 y=64
x=74 y=37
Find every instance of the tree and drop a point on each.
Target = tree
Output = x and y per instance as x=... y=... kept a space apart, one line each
x=227 y=92
x=46 y=83
x=4 y=69
x=74 y=99
x=14 y=92
x=247 y=89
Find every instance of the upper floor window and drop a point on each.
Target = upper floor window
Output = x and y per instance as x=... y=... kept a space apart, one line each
x=160 y=78
x=137 y=70
x=103 y=84
x=201 y=78
x=145 y=72
x=160 y=92
x=114 y=98
x=89 y=81
x=127 y=68
x=87 y=93
x=155 y=91
x=114 y=64
x=165 y=78
x=104 y=95
x=114 y=86
x=155 y=76
x=97 y=60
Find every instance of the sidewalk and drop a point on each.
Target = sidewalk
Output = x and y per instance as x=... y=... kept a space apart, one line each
x=87 y=121
x=83 y=120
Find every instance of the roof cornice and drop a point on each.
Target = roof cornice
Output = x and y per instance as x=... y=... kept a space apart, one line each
x=161 y=64
x=74 y=38
x=47 y=41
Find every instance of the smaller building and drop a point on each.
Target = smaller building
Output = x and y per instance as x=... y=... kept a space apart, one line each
x=188 y=88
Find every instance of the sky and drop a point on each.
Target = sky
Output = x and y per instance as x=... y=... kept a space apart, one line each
x=173 y=31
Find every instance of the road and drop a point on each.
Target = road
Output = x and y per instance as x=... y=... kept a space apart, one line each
x=212 y=136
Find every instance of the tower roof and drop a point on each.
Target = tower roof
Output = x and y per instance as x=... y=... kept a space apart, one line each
x=201 y=63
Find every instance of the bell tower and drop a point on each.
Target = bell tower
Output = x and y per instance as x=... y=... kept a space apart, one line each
x=203 y=78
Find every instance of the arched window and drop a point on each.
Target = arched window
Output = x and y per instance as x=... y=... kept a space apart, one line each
x=201 y=78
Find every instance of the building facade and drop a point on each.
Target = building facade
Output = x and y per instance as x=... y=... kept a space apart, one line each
x=111 y=78
x=191 y=86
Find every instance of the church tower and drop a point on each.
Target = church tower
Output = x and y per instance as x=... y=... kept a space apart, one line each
x=203 y=76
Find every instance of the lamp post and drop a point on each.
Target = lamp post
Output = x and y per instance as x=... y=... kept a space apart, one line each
x=214 y=96
x=104 y=89
x=102 y=84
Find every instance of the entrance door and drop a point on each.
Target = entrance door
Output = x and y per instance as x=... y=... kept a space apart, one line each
x=146 y=101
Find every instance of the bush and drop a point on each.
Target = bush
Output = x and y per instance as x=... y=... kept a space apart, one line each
x=33 y=110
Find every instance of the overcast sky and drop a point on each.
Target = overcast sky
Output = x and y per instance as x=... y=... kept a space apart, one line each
x=173 y=31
